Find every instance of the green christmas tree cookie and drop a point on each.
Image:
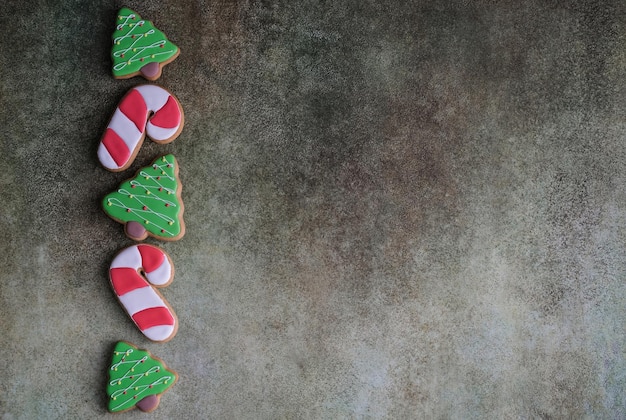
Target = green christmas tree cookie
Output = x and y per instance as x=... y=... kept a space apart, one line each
x=150 y=203
x=139 y=48
x=136 y=379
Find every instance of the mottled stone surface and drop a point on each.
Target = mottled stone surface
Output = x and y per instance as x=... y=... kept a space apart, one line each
x=394 y=209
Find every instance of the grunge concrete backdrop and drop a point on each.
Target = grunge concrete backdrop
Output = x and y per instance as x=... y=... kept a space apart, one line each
x=394 y=209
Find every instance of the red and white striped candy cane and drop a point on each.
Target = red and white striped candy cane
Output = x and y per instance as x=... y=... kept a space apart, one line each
x=145 y=110
x=133 y=272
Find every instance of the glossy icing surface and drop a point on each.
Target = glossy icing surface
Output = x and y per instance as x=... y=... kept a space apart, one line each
x=133 y=273
x=134 y=375
x=151 y=198
x=145 y=110
x=136 y=43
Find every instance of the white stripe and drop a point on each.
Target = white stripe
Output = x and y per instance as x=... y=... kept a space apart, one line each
x=105 y=158
x=160 y=133
x=154 y=96
x=130 y=257
x=140 y=299
x=126 y=129
x=161 y=275
x=159 y=333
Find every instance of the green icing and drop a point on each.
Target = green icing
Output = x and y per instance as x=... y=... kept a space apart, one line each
x=136 y=42
x=150 y=198
x=134 y=374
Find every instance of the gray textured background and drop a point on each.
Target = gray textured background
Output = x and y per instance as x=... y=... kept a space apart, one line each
x=394 y=209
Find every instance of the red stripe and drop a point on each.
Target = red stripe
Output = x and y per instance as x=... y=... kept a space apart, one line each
x=168 y=116
x=153 y=317
x=134 y=107
x=116 y=147
x=151 y=257
x=126 y=280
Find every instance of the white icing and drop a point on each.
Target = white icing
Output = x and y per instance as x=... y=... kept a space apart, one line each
x=146 y=192
x=126 y=360
x=130 y=381
x=140 y=299
x=154 y=50
x=105 y=158
x=140 y=53
x=161 y=275
x=140 y=212
x=126 y=129
x=156 y=97
x=129 y=258
x=159 y=133
x=145 y=297
x=159 y=332
x=126 y=22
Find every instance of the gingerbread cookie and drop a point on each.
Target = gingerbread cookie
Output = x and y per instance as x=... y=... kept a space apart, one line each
x=139 y=48
x=133 y=273
x=137 y=379
x=150 y=203
x=145 y=110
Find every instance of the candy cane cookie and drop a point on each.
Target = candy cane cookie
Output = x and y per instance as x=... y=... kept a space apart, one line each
x=145 y=110
x=133 y=273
